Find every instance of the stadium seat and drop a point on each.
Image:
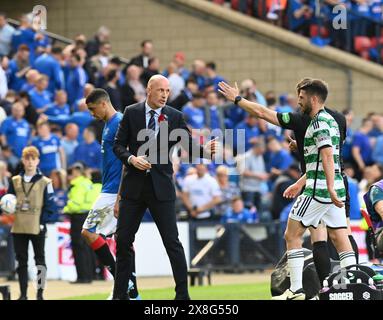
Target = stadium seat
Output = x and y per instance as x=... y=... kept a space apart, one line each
x=361 y=44
x=314 y=31
x=375 y=41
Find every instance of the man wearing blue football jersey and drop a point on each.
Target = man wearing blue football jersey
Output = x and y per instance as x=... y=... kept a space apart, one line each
x=15 y=131
x=101 y=221
x=52 y=155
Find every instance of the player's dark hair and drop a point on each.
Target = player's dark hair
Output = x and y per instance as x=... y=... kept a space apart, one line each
x=97 y=95
x=314 y=87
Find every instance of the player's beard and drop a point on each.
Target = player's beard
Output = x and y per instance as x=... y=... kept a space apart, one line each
x=307 y=108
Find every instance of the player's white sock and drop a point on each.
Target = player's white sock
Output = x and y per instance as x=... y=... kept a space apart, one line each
x=295 y=261
x=347 y=258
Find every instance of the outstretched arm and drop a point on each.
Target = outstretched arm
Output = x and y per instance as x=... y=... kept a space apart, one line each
x=251 y=107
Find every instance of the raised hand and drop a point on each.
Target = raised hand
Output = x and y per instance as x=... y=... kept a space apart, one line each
x=228 y=92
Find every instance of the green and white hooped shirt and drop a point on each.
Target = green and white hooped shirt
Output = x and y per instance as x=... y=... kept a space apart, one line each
x=323 y=131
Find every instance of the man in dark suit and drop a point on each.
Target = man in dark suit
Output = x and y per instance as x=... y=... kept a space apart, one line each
x=148 y=182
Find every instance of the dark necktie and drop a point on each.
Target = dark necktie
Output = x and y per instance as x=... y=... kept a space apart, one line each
x=152 y=121
x=151 y=126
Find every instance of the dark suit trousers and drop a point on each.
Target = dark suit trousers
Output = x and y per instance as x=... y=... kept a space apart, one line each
x=164 y=216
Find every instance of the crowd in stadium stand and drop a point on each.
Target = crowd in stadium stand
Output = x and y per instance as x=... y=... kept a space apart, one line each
x=42 y=90
x=360 y=34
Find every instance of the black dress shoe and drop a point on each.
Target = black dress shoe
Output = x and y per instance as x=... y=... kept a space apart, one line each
x=23 y=298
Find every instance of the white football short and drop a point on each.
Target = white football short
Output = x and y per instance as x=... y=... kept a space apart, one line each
x=101 y=218
x=310 y=212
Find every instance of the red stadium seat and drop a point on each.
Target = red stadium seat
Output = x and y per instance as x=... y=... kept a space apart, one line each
x=234 y=4
x=314 y=30
x=374 y=42
x=362 y=43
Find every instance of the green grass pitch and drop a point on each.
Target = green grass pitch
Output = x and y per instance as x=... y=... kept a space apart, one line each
x=259 y=291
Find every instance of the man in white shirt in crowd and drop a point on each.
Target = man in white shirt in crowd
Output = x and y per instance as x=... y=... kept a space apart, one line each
x=253 y=175
x=201 y=193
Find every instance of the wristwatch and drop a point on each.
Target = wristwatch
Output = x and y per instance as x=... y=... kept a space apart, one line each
x=237 y=99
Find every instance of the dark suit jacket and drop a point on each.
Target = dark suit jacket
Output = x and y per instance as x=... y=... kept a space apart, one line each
x=133 y=121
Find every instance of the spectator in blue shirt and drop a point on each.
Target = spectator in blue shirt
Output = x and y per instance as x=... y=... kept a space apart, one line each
x=377 y=121
x=75 y=79
x=377 y=153
x=49 y=64
x=361 y=148
x=40 y=97
x=347 y=145
x=287 y=103
x=214 y=115
x=239 y=214
x=52 y=156
x=89 y=151
x=194 y=114
x=198 y=73
x=234 y=115
x=59 y=178
x=69 y=142
x=31 y=76
x=17 y=68
x=42 y=44
x=244 y=143
x=212 y=77
x=250 y=92
x=15 y=130
x=279 y=158
x=300 y=13
x=81 y=118
x=60 y=106
x=25 y=35
x=376 y=10
x=353 y=190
